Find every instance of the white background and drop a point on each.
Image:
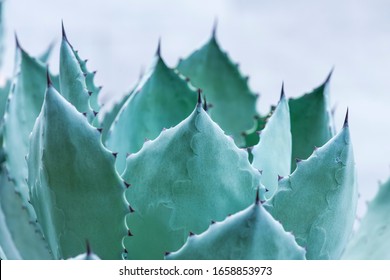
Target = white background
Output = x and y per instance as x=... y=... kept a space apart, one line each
x=297 y=42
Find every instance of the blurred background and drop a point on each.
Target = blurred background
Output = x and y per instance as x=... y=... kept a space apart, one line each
x=297 y=42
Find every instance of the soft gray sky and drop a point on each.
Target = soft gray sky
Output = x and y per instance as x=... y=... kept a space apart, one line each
x=297 y=42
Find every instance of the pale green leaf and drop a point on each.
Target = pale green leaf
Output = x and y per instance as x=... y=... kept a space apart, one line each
x=75 y=189
x=161 y=100
x=317 y=202
x=251 y=234
x=234 y=104
x=372 y=240
x=311 y=122
x=191 y=174
x=273 y=153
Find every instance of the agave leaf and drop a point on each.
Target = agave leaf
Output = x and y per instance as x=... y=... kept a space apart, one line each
x=111 y=115
x=273 y=152
x=161 y=100
x=371 y=241
x=311 y=122
x=234 y=105
x=4 y=91
x=317 y=202
x=23 y=106
x=72 y=80
x=93 y=90
x=7 y=244
x=252 y=136
x=189 y=175
x=26 y=234
x=251 y=234
x=73 y=182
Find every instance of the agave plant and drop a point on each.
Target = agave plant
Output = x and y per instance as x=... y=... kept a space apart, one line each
x=167 y=174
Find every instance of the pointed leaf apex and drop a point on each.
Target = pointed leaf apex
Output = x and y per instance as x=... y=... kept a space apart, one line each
x=48 y=79
x=215 y=26
x=257 y=201
x=64 y=37
x=282 y=94
x=329 y=76
x=199 y=97
x=346 y=120
x=17 y=42
x=158 y=51
x=88 y=246
x=205 y=106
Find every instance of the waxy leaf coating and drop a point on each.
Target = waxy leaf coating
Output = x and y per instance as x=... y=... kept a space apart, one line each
x=191 y=174
x=251 y=234
x=75 y=189
x=317 y=202
x=234 y=105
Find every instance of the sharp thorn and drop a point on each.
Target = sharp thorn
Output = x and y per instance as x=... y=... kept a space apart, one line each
x=280 y=177
x=131 y=209
x=257 y=201
x=63 y=30
x=346 y=120
x=191 y=234
x=84 y=114
x=48 y=79
x=100 y=130
x=158 y=51
x=199 y=97
x=205 y=106
x=282 y=94
x=215 y=26
x=129 y=233
x=115 y=154
x=126 y=184
x=17 y=42
x=212 y=222
x=95 y=113
x=266 y=190
x=167 y=254
x=329 y=76
x=298 y=160
x=88 y=246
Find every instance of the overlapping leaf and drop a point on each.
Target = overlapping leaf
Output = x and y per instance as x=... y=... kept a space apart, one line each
x=234 y=105
x=191 y=174
x=72 y=80
x=273 y=153
x=311 y=122
x=23 y=106
x=161 y=100
x=372 y=240
x=26 y=238
x=75 y=189
x=251 y=234
x=318 y=201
